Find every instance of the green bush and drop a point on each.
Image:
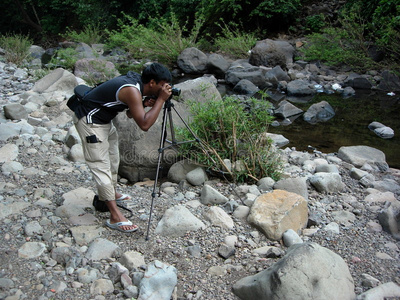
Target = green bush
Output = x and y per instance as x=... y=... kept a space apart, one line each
x=234 y=43
x=164 y=43
x=229 y=129
x=91 y=34
x=315 y=23
x=64 y=58
x=16 y=48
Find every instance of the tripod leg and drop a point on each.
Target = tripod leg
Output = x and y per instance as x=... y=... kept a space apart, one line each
x=160 y=155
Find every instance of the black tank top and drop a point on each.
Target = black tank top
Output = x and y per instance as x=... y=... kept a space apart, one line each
x=101 y=104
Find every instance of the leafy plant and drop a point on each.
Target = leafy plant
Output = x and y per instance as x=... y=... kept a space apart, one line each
x=16 y=48
x=91 y=34
x=164 y=43
x=229 y=129
x=65 y=58
x=234 y=42
x=315 y=23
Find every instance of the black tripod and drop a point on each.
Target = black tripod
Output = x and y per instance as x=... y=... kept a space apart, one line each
x=168 y=106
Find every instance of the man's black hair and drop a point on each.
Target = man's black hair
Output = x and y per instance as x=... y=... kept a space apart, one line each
x=156 y=71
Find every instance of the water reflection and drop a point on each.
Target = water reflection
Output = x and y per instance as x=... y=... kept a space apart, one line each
x=349 y=126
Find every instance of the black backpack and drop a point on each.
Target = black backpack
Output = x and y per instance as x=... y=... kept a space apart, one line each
x=102 y=207
x=76 y=99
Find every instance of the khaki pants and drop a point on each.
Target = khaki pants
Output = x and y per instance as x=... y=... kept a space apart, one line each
x=100 y=148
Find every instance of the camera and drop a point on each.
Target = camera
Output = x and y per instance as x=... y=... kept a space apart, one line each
x=175 y=91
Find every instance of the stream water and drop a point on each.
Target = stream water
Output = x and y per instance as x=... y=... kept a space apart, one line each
x=349 y=126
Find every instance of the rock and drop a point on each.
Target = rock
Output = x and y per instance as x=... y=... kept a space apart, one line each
x=8 y=152
x=31 y=250
x=158 y=282
x=290 y=237
x=95 y=69
x=300 y=88
x=102 y=249
x=319 y=112
x=327 y=182
x=101 y=287
x=271 y=53
x=390 y=81
x=294 y=273
x=384 y=291
x=57 y=80
x=192 y=61
x=218 y=217
x=296 y=185
x=132 y=259
x=197 y=176
x=245 y=87
x=275 y=212
x=389 y=218
x=177 y=221
x=360 y=155
x=209 y=195
x=286 y=110
x=217 y=65
x=15 y=111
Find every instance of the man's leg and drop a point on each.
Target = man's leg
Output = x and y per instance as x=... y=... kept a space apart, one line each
x=96 y=152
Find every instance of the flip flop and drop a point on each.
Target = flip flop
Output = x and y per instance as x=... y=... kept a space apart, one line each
x=124 y=197
x=118 y=224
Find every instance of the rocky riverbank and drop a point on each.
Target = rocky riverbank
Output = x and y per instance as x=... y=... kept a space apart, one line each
x=55 y=246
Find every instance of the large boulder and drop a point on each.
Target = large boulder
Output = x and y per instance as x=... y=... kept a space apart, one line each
x=192 y=61
x=271 y=53
x=275 y=212
x=95 y=69
x=57 y=80
x=319 y=112
x=360 y=155
x=390 y=82
x=241 y=69
x=307 y=271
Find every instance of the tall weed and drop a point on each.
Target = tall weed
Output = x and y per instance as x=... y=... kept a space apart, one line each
x=91 y=34
x=232 y=130
x=16 y=48
x=234 y=42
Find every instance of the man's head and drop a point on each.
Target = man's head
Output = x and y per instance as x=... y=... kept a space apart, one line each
x=156 y=71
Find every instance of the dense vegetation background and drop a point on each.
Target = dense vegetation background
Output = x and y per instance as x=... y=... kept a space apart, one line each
x=353 y=23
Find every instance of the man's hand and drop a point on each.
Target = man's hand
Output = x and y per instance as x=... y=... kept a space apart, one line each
x=149 y=102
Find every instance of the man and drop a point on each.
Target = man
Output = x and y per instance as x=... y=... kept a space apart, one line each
x=99 y=136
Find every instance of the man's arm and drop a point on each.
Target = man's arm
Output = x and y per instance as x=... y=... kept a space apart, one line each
x=133 y=98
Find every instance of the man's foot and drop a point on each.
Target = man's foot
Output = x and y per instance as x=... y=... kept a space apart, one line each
x=122 y=197
x=125 y=226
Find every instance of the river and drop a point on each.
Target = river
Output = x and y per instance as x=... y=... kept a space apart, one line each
x=349 y=126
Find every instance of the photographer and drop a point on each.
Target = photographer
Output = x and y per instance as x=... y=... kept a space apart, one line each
x=93 y=121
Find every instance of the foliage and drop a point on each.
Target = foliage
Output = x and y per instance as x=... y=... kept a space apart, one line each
x=234 y=42
x=315 y=23
x=229 y=129
x=163 y=43
x=16 y=48
x=342 y=45
x=65 y=58
x=91 y=34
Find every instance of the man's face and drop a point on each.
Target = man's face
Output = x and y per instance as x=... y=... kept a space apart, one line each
x=157 y=87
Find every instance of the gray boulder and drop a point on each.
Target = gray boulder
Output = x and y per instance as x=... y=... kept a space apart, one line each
x=276 y=75
x=217 y=65
x=192 y=61
x=390 y=82
x=286 y=109
x=319 y=112
x=271 y=53
x=95 y=69
x=360 y=155
x=241 y=69
x=245 y=87
x=15 y=111
x=307 y=271
x=300 y=88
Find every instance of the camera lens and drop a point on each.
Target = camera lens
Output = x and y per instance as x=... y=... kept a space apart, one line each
x=176 y=91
